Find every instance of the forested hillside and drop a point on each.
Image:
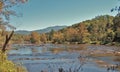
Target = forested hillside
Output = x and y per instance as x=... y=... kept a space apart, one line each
x=102 y=29
x=99 y=30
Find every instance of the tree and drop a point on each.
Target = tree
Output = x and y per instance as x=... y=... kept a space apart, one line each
x=116 y=22
x=83 y=33
x=43 y=38
x=70 y=34
x=58 y=37
x=26 y=38
x=5 y=13
x=35 y=37
x=51 y=34
x=117 y=28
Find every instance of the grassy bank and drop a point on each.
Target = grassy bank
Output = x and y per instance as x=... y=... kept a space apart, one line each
x=9 y=66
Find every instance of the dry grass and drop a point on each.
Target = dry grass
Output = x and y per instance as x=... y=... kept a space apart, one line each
x=101 y=63
x=102 y=55
x=57 y=50
x=117 y=59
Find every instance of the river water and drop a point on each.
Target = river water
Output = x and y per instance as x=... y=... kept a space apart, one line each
x=70 y=58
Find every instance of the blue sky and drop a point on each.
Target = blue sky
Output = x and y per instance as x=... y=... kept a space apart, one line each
x=39 y=14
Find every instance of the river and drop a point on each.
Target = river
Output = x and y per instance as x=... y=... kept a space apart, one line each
x=70 y=58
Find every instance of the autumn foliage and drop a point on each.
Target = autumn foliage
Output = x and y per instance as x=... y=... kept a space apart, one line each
x=99 y=30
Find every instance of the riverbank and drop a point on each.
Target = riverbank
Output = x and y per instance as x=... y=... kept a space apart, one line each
x=8 y=66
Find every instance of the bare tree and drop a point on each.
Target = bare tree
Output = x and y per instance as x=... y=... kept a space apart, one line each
x=5 y=13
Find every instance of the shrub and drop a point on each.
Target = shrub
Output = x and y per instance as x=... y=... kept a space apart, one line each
x=9 y=66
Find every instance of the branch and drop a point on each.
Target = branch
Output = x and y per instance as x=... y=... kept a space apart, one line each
x=7 y=41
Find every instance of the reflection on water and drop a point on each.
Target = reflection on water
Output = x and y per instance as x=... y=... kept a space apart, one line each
x=69 y=58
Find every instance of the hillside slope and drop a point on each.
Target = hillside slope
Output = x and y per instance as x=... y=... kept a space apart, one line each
x=98 y=30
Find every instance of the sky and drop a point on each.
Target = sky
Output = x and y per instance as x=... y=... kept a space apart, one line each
x=39 y=14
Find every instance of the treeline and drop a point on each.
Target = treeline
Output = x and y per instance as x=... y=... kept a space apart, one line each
x=99 y=30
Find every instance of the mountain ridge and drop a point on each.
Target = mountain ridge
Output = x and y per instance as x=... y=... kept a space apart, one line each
x=44 y=30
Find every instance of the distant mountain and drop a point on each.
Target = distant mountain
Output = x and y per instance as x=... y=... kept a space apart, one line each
x=22 y=32
x=45 y=30
x=48 y=29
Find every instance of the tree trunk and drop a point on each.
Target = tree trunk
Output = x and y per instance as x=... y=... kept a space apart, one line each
x=8 y=37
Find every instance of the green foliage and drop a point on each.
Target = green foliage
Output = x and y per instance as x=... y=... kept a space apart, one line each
x=117 y=28
x=51 y=34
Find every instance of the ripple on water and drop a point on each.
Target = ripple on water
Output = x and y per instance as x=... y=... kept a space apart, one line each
x=37 y=58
